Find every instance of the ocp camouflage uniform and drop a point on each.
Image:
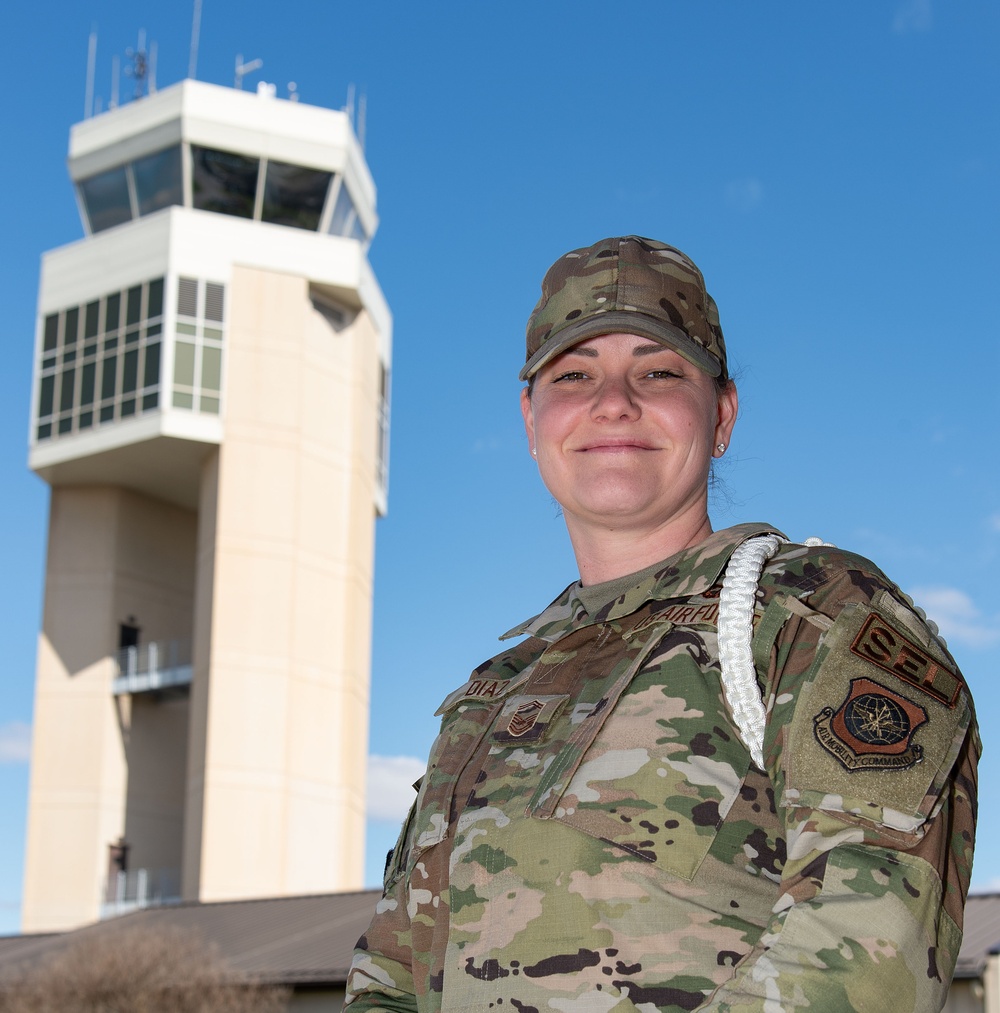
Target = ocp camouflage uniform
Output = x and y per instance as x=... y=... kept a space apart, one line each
x=592 y=835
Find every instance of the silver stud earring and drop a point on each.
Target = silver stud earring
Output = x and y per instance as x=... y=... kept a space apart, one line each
x=720 y=447
x=534 y=452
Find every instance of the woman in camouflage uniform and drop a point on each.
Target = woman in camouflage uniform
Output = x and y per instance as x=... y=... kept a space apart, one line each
x=723 y=771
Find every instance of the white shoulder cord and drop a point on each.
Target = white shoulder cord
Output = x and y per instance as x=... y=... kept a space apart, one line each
x=739 y=677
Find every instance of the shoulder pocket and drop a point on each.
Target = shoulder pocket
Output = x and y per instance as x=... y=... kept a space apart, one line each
x=879 y=723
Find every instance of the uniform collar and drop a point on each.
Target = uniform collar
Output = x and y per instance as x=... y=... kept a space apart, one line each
x=689 y=572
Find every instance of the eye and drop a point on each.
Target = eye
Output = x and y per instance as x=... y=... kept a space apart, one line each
x=571 y=375
x=662 y=374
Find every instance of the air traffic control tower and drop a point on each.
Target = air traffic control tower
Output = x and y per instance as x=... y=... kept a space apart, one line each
x=210 y=409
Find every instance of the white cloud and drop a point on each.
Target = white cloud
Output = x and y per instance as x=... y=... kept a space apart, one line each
x=957 y=616
x=744 y=194
x=15 y=742
x=912 y=16
x=390 y=791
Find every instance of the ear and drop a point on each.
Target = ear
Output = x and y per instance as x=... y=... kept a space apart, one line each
x=726 y=411
x=529 y=418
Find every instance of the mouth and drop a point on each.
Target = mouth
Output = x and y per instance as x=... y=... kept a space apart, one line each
x=610 y=445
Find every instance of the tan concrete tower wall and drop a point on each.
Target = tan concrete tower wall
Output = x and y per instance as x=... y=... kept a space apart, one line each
x=112 y=554
x=277 y=769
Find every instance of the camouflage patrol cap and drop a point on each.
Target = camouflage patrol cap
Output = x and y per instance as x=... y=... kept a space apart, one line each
x=628 y=285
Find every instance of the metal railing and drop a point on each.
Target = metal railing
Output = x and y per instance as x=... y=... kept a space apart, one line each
x=129 y=891
x=157 y=665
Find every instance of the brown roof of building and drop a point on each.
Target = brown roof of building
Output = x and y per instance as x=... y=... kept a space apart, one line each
x=280 y=940
x=982 y=934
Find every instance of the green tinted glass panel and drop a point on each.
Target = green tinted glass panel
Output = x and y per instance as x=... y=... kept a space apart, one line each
x=51 y=333
x=151 y=366
x=130 y=371
x=45 y=431
x=72 y=330
x=210 y=404
x=155 y=299
x=46 y=396
x=128 y=406
x=150 y=401
x=211 y=368
x=66 y=390
x=133 y=305
x=88 y=376
x=182 y=400
x=184 y=364
x=109 y=373
x=112 y=312
x=86 y=420
x=90 y=319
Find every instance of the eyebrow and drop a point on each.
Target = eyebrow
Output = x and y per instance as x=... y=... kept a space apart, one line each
x=638 y=350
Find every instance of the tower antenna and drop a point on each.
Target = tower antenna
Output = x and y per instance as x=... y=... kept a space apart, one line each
x=88 y=99
x=139 y=67
x=115 y=75
x=362 y=119
x=349 y=108
x=195 y=37
x=242 y=69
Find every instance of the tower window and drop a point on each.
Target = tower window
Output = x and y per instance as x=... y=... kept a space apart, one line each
x=198 y=360
x=294 y=195
x=113 y=373
x=224 y=181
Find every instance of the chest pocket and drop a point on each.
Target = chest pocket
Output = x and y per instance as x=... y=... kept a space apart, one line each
x=467 y=715
x=665 y=766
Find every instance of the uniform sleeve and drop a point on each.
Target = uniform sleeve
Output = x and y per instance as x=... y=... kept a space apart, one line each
x=872 y=748
x=381 y=974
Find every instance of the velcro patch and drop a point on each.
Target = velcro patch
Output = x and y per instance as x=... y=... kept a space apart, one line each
x=686 y=613
x=527 y=718
x=480 y=689
x=883 y=645
x=872 y=729
x=867 y=733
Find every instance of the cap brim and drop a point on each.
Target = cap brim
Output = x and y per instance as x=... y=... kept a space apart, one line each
x=622 y=322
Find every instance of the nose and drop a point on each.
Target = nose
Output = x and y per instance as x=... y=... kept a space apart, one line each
x=615 y=401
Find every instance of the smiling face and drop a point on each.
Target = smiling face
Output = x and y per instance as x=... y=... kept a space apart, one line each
x=624 y=430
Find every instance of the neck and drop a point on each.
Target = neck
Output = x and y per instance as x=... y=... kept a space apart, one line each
x=606 y=553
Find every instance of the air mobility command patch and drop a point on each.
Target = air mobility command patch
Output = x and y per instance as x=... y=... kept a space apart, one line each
x=878 y=721
x=872 y=729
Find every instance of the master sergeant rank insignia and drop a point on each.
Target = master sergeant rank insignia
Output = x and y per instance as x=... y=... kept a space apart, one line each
x=872 y=729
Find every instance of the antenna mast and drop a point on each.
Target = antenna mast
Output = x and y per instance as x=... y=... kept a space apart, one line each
x=88 y=99
x=196 y=34
x=139 y=67
x=115 y=75
x=242 y=69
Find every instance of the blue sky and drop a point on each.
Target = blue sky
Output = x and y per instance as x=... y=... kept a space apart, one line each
x=834 y=170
